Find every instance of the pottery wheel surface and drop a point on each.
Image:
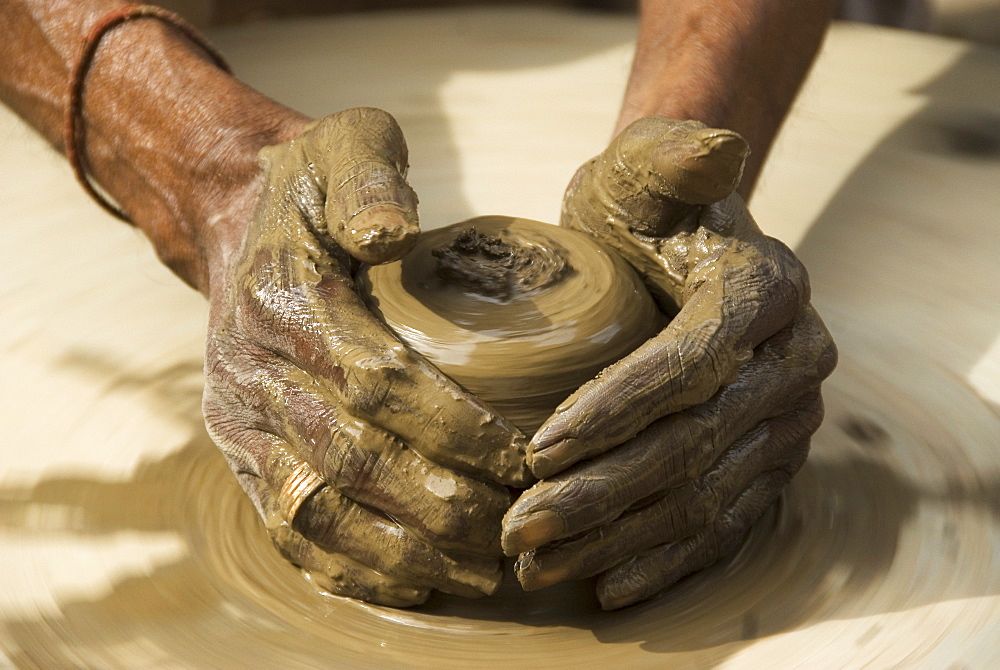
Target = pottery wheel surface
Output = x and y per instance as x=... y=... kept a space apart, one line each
x=125 y=541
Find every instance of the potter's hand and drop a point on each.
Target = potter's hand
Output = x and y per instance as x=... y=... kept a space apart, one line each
x=658 y=467
x=372 y=470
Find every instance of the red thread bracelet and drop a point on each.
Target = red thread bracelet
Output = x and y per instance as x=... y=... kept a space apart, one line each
x=74 y=134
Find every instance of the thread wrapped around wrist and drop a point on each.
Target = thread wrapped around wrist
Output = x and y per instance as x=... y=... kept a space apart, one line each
x=74 y=131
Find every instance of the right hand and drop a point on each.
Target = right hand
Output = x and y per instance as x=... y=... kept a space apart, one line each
x=372 y=470
x=658 y=467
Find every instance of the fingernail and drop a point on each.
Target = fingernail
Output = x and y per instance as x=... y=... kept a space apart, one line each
x=623 y=594
x=533 y=577
x=381 y=234
x=406 y=596
x=614 y=603
x=534 y=531
x=545 y=436
x=484 y=580
x=550 y=460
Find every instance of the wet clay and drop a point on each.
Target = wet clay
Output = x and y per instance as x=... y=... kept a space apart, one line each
x=126 y=542
x=518 y=312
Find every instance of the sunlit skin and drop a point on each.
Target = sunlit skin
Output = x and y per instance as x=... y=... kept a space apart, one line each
x=176 y=142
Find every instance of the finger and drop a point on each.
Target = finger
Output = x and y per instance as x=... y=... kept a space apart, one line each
x=321 y=325
x=341 y=576
x=736 y=307
x=412 y=399
x=681 y=511
x=691 y=164
x=651 y=171
x=358 y=159
x=652 y=181
x=647 y=574
x=784 y=366
x=681 y=446
x=335 y=573
x=340 y=525
x=371 y=466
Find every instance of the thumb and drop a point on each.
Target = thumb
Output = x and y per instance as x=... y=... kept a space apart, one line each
x=653 y=172
x=361 y=158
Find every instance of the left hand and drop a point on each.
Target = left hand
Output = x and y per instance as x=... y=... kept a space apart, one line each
x=658 y=467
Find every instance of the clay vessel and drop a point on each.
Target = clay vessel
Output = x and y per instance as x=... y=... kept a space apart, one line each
x=518 y=312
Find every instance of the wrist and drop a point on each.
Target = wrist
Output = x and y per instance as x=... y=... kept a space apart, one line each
x=734 y=64
x=174 y=140
x=211 y=199
x=683 y=94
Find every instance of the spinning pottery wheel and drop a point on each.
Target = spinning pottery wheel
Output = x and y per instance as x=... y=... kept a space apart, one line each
x=125 y=541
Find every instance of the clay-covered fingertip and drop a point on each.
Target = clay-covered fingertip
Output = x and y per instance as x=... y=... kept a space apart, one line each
x=525 y=569
x=520 y=477
x=613 y=599
x=474 y=582
x=380 y=234
x=494 y=585
x=609 y=603
x=532 y=577
x=510 y=544
x=612 y=594
x=542 y=466
x=553 y=458
x=531 y=531
x=510 y=466
x=703 y=167
x=401 y=597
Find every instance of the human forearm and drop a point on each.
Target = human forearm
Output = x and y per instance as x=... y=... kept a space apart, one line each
x=732 y=64
x=169 y=135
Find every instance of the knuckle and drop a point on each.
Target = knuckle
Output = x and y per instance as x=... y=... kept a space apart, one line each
x=710 y=492
x=576 y=205
x=228 y=354
x=364 y=184
x=814 y=413
x=318 y=519
x=593 y=499
x=649 y=131
x=232 y=438
x=352 y=470
x=697 y=365
x=364 y=397
x=728 y=541
x=771 y=276
x=465 y=523
x=671 y=517
x=794 y=461
x=828 y=359
x=270 y=298
x=370 y=389
x=247 y=385
x=369 y=131
x=374 y=118
x=809 y=346
x=790 y=269
x=219 y=351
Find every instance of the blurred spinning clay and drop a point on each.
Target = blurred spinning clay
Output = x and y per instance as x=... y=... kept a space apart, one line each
x=519 y=312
